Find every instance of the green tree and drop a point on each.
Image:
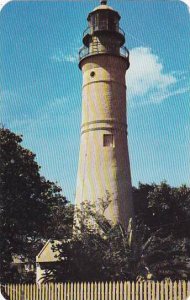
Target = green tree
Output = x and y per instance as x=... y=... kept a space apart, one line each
x=163 y=232
x=98 y=249
x=27 y=202
x=161 y=249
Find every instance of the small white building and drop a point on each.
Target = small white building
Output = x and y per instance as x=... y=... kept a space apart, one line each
x=47 y=260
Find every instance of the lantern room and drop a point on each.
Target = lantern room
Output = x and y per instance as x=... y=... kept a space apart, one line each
x=104 y=19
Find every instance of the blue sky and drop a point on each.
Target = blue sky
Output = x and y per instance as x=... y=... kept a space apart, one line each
x=41 y=85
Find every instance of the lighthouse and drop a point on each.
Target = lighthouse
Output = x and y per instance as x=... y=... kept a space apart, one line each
x=104 y=165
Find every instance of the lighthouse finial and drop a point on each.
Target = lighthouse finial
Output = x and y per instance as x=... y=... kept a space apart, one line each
x=103 y=2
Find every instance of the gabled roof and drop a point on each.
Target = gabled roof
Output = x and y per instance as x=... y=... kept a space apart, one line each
x=47 y=254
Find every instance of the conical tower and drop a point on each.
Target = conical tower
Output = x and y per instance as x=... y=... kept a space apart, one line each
x=104 y=160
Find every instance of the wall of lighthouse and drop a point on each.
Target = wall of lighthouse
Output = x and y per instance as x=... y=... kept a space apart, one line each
x=104 y=160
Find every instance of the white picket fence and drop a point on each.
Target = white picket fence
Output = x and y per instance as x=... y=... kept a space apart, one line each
x=142 y=290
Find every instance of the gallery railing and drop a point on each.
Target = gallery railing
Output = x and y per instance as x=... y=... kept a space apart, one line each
x=85 y=51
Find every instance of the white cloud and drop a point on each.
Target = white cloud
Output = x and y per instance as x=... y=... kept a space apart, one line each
x=147 y=79
x=60 y=57
x=162 y=96
x=146 y=72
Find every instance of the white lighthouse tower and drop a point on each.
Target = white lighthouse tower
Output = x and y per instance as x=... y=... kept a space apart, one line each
x=104 y=160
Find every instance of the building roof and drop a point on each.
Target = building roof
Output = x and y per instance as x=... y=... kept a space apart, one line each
x=103 y=6
x=47 y=254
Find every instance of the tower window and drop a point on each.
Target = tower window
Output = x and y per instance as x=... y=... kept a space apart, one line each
x=108 y=140
x=92 y=74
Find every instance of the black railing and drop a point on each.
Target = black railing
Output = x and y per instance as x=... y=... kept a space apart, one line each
x=87 y=31
x=103 y=26
x=85 y=51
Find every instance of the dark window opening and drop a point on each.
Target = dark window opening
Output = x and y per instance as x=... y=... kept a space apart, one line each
x=92 y=74
x=108 y=140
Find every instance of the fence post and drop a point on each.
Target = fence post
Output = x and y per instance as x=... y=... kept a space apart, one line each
x=110 y=291
x=88 y=291
x=153 y=291
x=113 y=291
x=133 y=290
x=91 y=291
x=141 y=290
x=184 y=286
x=149 y=290
x=179 y=290
x=188 y=288
x=106 y=291
x=81 y=290
x=121 y=291
x=137 y=291
x=171 y=290
x=175 y=290
x=166 y=290
x=145 y=290
x=157 y=290
x=84 y=291
x=125 y=291
x=117 y=291
x=162 y=290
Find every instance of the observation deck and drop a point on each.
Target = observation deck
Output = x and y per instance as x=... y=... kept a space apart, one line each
x=86 y=51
